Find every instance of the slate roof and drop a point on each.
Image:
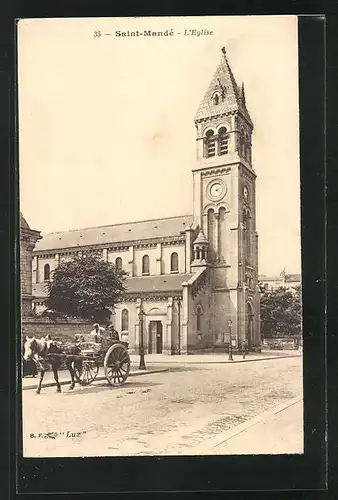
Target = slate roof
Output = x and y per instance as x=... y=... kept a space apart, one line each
x=137 y=284
x=163 y=283
x=224 y=82
x=117 y=233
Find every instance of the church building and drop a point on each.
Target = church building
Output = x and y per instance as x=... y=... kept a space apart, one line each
x=195 y=277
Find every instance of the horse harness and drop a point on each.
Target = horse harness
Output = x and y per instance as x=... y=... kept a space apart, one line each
x=41 y=360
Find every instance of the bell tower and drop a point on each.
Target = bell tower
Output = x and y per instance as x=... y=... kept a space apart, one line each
x=224 y=206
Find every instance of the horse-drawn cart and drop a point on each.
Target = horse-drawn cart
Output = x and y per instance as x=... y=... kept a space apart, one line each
x=112 y=355
x=83 y=359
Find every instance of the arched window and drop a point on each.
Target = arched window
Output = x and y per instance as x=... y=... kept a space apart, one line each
x=247 y=236
x=222 y=234
x=199 y=312
x=242 y=143
x=125 y=320
x=174 y=263
x=118 y=263
x=210 y=146
x=46 y=272
x=211 y=233
x=223 y=141
x=216 y=99
x=247 y=147
x=145 y=264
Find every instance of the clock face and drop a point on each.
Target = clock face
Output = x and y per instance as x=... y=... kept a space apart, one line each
x=216 y=190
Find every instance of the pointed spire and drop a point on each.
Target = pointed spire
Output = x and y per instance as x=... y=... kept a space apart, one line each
x=23 y=222
x=229 y=94
x=243 y=93
x=201 y=239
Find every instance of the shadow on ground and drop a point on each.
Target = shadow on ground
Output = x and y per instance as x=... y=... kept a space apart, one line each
x=182 y=368
x=100 y=386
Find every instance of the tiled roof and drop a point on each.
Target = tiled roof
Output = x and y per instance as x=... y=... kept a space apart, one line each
x=263 y=277
x=117 y=233
x=137 y=284
x=288 y=278
x=293 y=277
x=163 y=283
x=224 y=82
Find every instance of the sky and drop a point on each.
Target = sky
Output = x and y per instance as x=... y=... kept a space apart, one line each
x=106 y=124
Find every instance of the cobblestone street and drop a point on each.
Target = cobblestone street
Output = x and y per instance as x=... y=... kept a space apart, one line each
x=168 y=413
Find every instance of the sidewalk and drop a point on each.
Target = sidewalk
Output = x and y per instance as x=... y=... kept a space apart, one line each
x=277 y=431
x=217 y=357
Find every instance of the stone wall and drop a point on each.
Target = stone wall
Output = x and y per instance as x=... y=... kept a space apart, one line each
x=60 y=330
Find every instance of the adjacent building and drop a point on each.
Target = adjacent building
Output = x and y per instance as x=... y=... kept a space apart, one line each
x=28 y=239
x=195 y=277
x=284 y=279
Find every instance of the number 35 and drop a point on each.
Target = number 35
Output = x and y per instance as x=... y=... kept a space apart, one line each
x=97 y=33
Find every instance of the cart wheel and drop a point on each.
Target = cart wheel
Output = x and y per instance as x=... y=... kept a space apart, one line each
x=116 y=365
x=86 y=371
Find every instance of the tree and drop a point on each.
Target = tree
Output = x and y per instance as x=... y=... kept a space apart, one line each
x=85 y=287
x=281 y=313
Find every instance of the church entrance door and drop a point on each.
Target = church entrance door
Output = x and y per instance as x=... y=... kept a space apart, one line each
x=155 y=337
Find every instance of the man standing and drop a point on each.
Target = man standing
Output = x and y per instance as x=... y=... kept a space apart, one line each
x=97 y=333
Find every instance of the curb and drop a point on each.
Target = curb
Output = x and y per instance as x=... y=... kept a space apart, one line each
x=185 y=363
x=67 y=382
x=222 y=438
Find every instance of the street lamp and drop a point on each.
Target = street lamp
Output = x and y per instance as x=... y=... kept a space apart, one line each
x=141 y=345
x=179 y=324
x=230 y=340
x=245 y=288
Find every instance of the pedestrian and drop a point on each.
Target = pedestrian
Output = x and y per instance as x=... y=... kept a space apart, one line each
x=243 y=348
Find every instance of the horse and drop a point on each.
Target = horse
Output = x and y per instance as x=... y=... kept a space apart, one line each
x=41 y=352
x=29 y=367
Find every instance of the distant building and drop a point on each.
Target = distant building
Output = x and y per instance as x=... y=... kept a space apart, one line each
x=284 y=279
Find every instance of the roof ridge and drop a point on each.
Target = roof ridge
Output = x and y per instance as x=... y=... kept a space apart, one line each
x=118 y=224
x=158 y=275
